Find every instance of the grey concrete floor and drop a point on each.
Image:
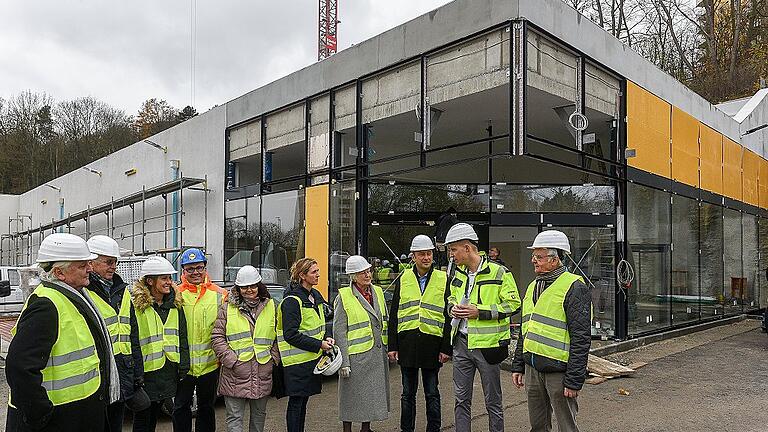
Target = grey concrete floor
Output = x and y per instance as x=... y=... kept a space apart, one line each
x=714 y=380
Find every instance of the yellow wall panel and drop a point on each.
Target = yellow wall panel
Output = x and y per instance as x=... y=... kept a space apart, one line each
x=750 y=171
x=648 y=131
x=316 y=232
x=763 y=183
x=711 y=155
x=685 y=148
x=732 y=155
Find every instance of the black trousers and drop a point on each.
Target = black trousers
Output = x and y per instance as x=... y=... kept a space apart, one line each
x=146 y=420
x=296 y=413
x=205 y=387
x=408 y=399
x=115 y=415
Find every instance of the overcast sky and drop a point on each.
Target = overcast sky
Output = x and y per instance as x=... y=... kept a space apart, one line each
x=128 y=51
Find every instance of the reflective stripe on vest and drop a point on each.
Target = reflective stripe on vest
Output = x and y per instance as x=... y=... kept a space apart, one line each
x=422 y=311
x=159 y=341
x=201 y=314
x=247 y=343
x=360 y=336
x=72 y=371
x=485 y=291
x=118 y=324
x=544 y=326
x=312 y=325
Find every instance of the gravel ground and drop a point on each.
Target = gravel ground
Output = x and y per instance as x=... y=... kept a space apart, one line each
x=713 y=380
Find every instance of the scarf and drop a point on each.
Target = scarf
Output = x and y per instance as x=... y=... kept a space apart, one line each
x=545 y=279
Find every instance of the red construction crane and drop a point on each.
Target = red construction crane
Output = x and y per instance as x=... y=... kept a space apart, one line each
x=327 y=30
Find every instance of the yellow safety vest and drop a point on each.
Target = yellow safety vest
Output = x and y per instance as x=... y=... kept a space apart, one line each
x=72 y=371
x=312 y=325
x=494 y=291
x=248 y=344
x=159 y=341
x=118 y=324
x=359 y=331
x=200 y=315
x=544 y=328
x=422 y=311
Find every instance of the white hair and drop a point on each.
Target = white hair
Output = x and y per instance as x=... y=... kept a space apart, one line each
x=50 y=268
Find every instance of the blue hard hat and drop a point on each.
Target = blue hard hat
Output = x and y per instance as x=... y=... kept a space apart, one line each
x=192 y=256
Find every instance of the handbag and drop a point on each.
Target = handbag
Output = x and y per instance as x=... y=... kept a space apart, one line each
x=278 y=381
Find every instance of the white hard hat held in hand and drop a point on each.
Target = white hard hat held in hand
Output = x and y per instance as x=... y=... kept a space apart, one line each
x=356 y=264
x=461 y=231
x=156 y=266
x=247 y=276
x=64 y=247
x=552 y=239
x=104 y=245
x=421 y=243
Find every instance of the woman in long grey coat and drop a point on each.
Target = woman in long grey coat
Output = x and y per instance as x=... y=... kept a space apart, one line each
x=360 y=327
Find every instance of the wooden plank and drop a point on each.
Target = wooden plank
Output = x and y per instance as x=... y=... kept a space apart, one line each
x=607 y=369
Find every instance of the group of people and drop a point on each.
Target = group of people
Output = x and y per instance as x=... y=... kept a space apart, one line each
x=87 y=346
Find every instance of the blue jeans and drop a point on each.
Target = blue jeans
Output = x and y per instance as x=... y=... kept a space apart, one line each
x=408 y=399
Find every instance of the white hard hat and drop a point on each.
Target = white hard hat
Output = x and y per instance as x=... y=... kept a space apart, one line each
x=385 y=263
x=64 y=247
x=551 y=239
x=156 y=266
x=421 y=243
x=461 y=231
x=104 y=245
x=329 y=363
x=247 y=276
x=356 y=264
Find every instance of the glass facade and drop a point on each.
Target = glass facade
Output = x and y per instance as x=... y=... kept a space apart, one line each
x=407 y=148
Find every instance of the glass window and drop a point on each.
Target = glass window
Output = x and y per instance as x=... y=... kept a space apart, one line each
x=684 y=295
x=427 y=198
x=245 y=154
x=569 y=199
x=648 y=228
x=603 y=102
x=391 y=124
x=241 y=235
x=386 y=262
x=593 y=250
x=282 y=234
x=344 y=122
x=733 y=279
x=551 y=91
x=285 y=151
x=319 y=132
x=711 y=268
x=342 y=231
x=468 y=92
x=762 y=294
x=752 y=274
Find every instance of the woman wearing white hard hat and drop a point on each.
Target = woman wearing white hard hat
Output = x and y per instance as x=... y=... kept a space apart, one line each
x=245 y=341
x=157 y=307
x=60 y=368
x=360 y=326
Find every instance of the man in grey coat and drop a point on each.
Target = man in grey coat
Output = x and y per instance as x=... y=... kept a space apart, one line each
x=551 y=354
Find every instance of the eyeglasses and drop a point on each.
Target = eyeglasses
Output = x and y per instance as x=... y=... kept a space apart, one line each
x=198 y=269
x=109 y=262
x=540 y=257
x=249 y=288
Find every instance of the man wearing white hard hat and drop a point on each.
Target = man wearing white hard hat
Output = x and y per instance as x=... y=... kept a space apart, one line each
x=360 y=326
x=60 y=367
x=551 y=356
x=483 y=297
x=245 y=341
x=419 y=338
x=157 y=308
x=113 y=302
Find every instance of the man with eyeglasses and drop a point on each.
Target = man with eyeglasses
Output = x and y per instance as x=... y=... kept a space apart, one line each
x=551 y=355
x=202 y=299
x=113 y=301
